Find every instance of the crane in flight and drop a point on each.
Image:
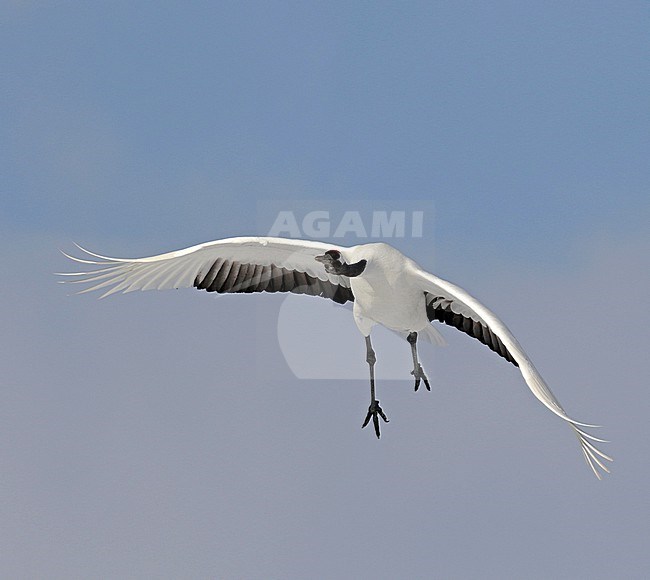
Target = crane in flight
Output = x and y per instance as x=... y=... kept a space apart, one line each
x=385 y=286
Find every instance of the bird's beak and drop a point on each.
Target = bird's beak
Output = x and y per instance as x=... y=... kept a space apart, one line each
x=320 y=258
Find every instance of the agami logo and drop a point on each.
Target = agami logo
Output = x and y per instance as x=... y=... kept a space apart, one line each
x=322 y=224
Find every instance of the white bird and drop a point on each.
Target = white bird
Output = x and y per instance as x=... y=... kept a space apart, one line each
x=385 y=286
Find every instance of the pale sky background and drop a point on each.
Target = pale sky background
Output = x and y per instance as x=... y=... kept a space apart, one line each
x=164 y=435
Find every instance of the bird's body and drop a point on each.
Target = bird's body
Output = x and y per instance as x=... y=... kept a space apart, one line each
x=386 y=293
x=385 y=287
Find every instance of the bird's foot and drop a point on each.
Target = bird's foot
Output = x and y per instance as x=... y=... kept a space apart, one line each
x=375 y=412
x=419 y=375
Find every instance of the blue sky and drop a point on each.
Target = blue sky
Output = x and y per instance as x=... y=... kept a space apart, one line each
x=135 y=443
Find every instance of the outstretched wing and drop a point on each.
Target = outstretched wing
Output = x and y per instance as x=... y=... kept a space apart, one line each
x=233 y=265
x=452 y=305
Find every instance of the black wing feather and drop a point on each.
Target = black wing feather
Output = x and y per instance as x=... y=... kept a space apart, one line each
x=224 y=276
x=440 y=308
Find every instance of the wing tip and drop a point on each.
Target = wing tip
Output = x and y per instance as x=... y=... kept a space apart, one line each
x=591 y=453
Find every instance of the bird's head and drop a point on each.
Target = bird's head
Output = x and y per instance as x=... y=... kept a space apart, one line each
x=335 y=264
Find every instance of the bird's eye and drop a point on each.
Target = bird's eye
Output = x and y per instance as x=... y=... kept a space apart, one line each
x=335 y=254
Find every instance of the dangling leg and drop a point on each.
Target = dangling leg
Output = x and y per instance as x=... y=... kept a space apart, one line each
x=417 y=371
x=374 y=410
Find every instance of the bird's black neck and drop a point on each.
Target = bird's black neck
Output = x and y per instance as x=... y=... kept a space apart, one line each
x=352 y=270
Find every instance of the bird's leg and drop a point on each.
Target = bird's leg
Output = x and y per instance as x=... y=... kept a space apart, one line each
x=417 y=371
x=374 y=410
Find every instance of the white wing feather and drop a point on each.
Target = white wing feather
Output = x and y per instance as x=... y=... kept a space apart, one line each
x=534 y=380
x=179 y=269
